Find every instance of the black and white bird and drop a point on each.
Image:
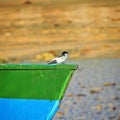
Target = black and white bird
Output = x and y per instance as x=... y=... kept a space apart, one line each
x=59 y=59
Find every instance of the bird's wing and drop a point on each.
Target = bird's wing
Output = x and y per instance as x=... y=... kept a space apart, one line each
x=52 y=61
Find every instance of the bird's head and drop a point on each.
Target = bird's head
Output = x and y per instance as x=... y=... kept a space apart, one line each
x=64 y=53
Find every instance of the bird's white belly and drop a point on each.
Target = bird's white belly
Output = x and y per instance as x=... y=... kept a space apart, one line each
x=61 y=59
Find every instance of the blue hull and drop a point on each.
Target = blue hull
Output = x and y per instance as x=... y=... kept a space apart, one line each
x=27 y=109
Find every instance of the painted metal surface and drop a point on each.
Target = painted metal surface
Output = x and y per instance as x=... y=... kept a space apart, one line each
x=24 y=109
x=32 y=91
x=39 y=66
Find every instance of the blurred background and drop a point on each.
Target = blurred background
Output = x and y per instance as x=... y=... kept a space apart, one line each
x=37 y=30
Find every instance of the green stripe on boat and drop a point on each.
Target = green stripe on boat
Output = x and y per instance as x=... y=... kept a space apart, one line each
x=39 y=66
x=34 y=81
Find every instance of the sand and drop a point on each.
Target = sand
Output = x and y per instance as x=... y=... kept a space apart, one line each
x=36 y=30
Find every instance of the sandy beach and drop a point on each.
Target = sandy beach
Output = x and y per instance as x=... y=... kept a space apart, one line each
x=36 y=30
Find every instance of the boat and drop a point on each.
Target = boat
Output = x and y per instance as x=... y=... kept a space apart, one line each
x=32 y=91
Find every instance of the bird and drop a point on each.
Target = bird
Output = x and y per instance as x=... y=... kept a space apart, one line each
x=59 y=59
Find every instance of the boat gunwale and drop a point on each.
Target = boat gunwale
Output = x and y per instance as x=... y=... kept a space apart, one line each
x=38 y=67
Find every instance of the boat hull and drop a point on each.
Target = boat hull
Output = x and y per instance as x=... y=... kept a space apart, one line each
x=32 y=92
x=27 y=109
